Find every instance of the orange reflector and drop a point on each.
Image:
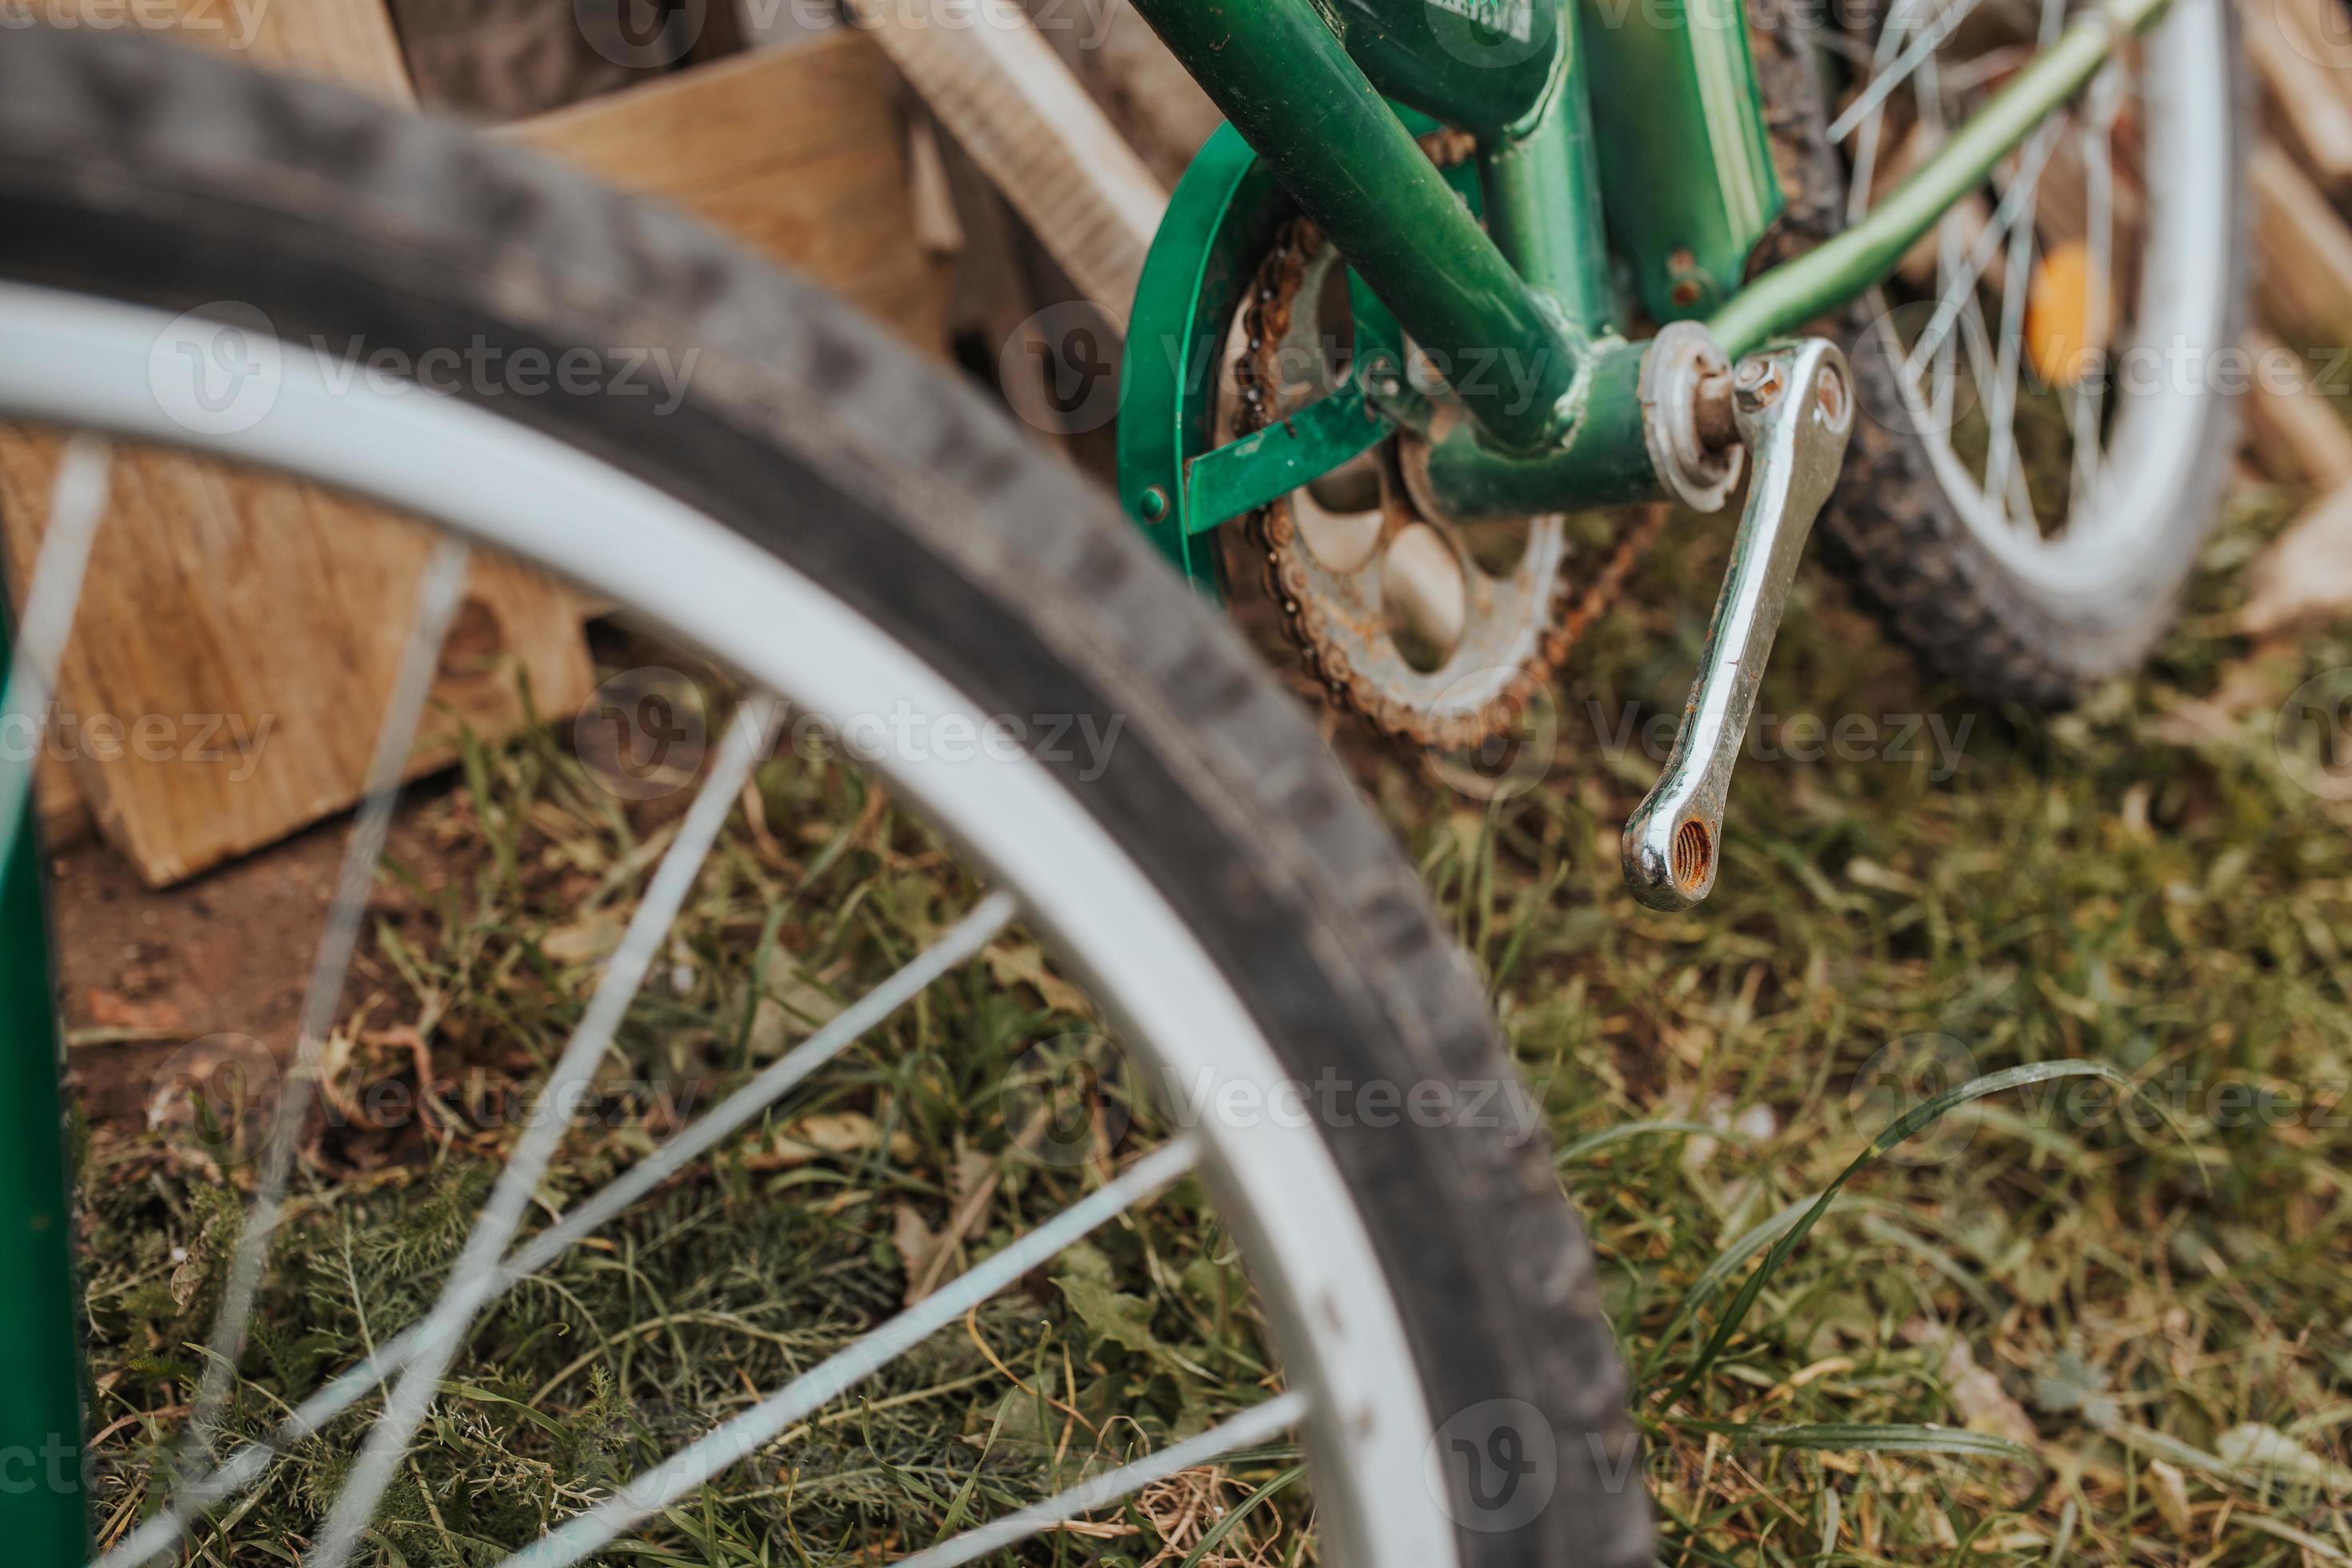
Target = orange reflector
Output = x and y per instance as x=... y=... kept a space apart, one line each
x=2066 y=316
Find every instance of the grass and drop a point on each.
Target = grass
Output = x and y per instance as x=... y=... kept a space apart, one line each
x=2058 y=1323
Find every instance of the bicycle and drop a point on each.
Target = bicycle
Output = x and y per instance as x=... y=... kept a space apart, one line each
x=1403 y=312
x=1232 y=906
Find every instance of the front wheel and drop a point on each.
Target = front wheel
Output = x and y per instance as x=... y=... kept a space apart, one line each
x=826 y=518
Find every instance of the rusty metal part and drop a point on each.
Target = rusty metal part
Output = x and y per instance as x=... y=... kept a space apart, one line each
x=1712 y=412
x=1683 y=412
x=1514 y=629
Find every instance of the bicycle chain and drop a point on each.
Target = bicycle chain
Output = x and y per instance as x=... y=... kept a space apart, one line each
x=1272 y=530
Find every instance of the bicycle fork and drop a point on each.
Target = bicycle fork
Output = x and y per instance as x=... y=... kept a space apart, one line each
x=1791 y=406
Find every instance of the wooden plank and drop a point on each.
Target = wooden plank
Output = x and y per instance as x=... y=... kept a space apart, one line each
x=2304 y=577
x=353 y=43
x=1007 y=96
x=799 y=152
x=1159 y=108
x=276 y=610
x=2302 y=99
x=347 y=41
x=2294 y=433
x=57 y=804
x=2321 y=32
x=237 y=636
x=2306 y=276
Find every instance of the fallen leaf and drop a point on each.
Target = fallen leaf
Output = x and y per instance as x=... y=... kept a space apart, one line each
x=1024 y=964
x=973 y=1181
x=831 y=1132
x=110 y=1010
x=1110 y=1315
x=916 y=1244
x=2305 y=575
x=2171 y=1491
x=585 y=940
x=2267 y=1451
x=2072 y=1386
x=788 y=1012
x=1983 y=1403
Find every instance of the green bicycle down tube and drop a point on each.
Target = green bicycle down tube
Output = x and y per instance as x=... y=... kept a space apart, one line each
x=43 y=1513
x=1843 y=265
x=1286 y=84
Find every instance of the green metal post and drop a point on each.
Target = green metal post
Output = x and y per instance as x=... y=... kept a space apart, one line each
x=43 y=1520
x=1282 y=79
x=1686 y=167
x=1542 y=183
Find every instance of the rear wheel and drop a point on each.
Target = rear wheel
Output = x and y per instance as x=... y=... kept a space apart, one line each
x=2048 y=424
x=823 y=517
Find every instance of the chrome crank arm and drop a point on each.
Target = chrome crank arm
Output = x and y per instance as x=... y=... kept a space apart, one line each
x=1794 y=406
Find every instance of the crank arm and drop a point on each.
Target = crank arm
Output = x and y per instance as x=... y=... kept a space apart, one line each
x=1794 y=406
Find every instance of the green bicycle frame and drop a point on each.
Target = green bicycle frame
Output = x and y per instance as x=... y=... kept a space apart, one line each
x=1287 y=82
x=1636 y=121
x=43 y=1514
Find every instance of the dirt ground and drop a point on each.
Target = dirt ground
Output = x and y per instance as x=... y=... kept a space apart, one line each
x=157 y=984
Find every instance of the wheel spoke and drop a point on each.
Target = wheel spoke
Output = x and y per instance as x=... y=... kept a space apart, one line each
x=1952 y=14
x=962 y=941
x=76 y=506
x=2089 y=403
x=1253 y=1427
x=2001 y=404
x=1865 y=151
x=1927 y=96
x=439 y=590
x=959 y=943
x=2001 y=476
x=1961 y=292
x=470 y=1281
x=658 y=1488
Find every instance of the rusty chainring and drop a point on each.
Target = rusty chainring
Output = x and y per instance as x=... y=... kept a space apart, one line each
x=1328 y=572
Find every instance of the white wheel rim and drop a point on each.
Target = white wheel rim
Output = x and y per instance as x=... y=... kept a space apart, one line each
x=2162 y=377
